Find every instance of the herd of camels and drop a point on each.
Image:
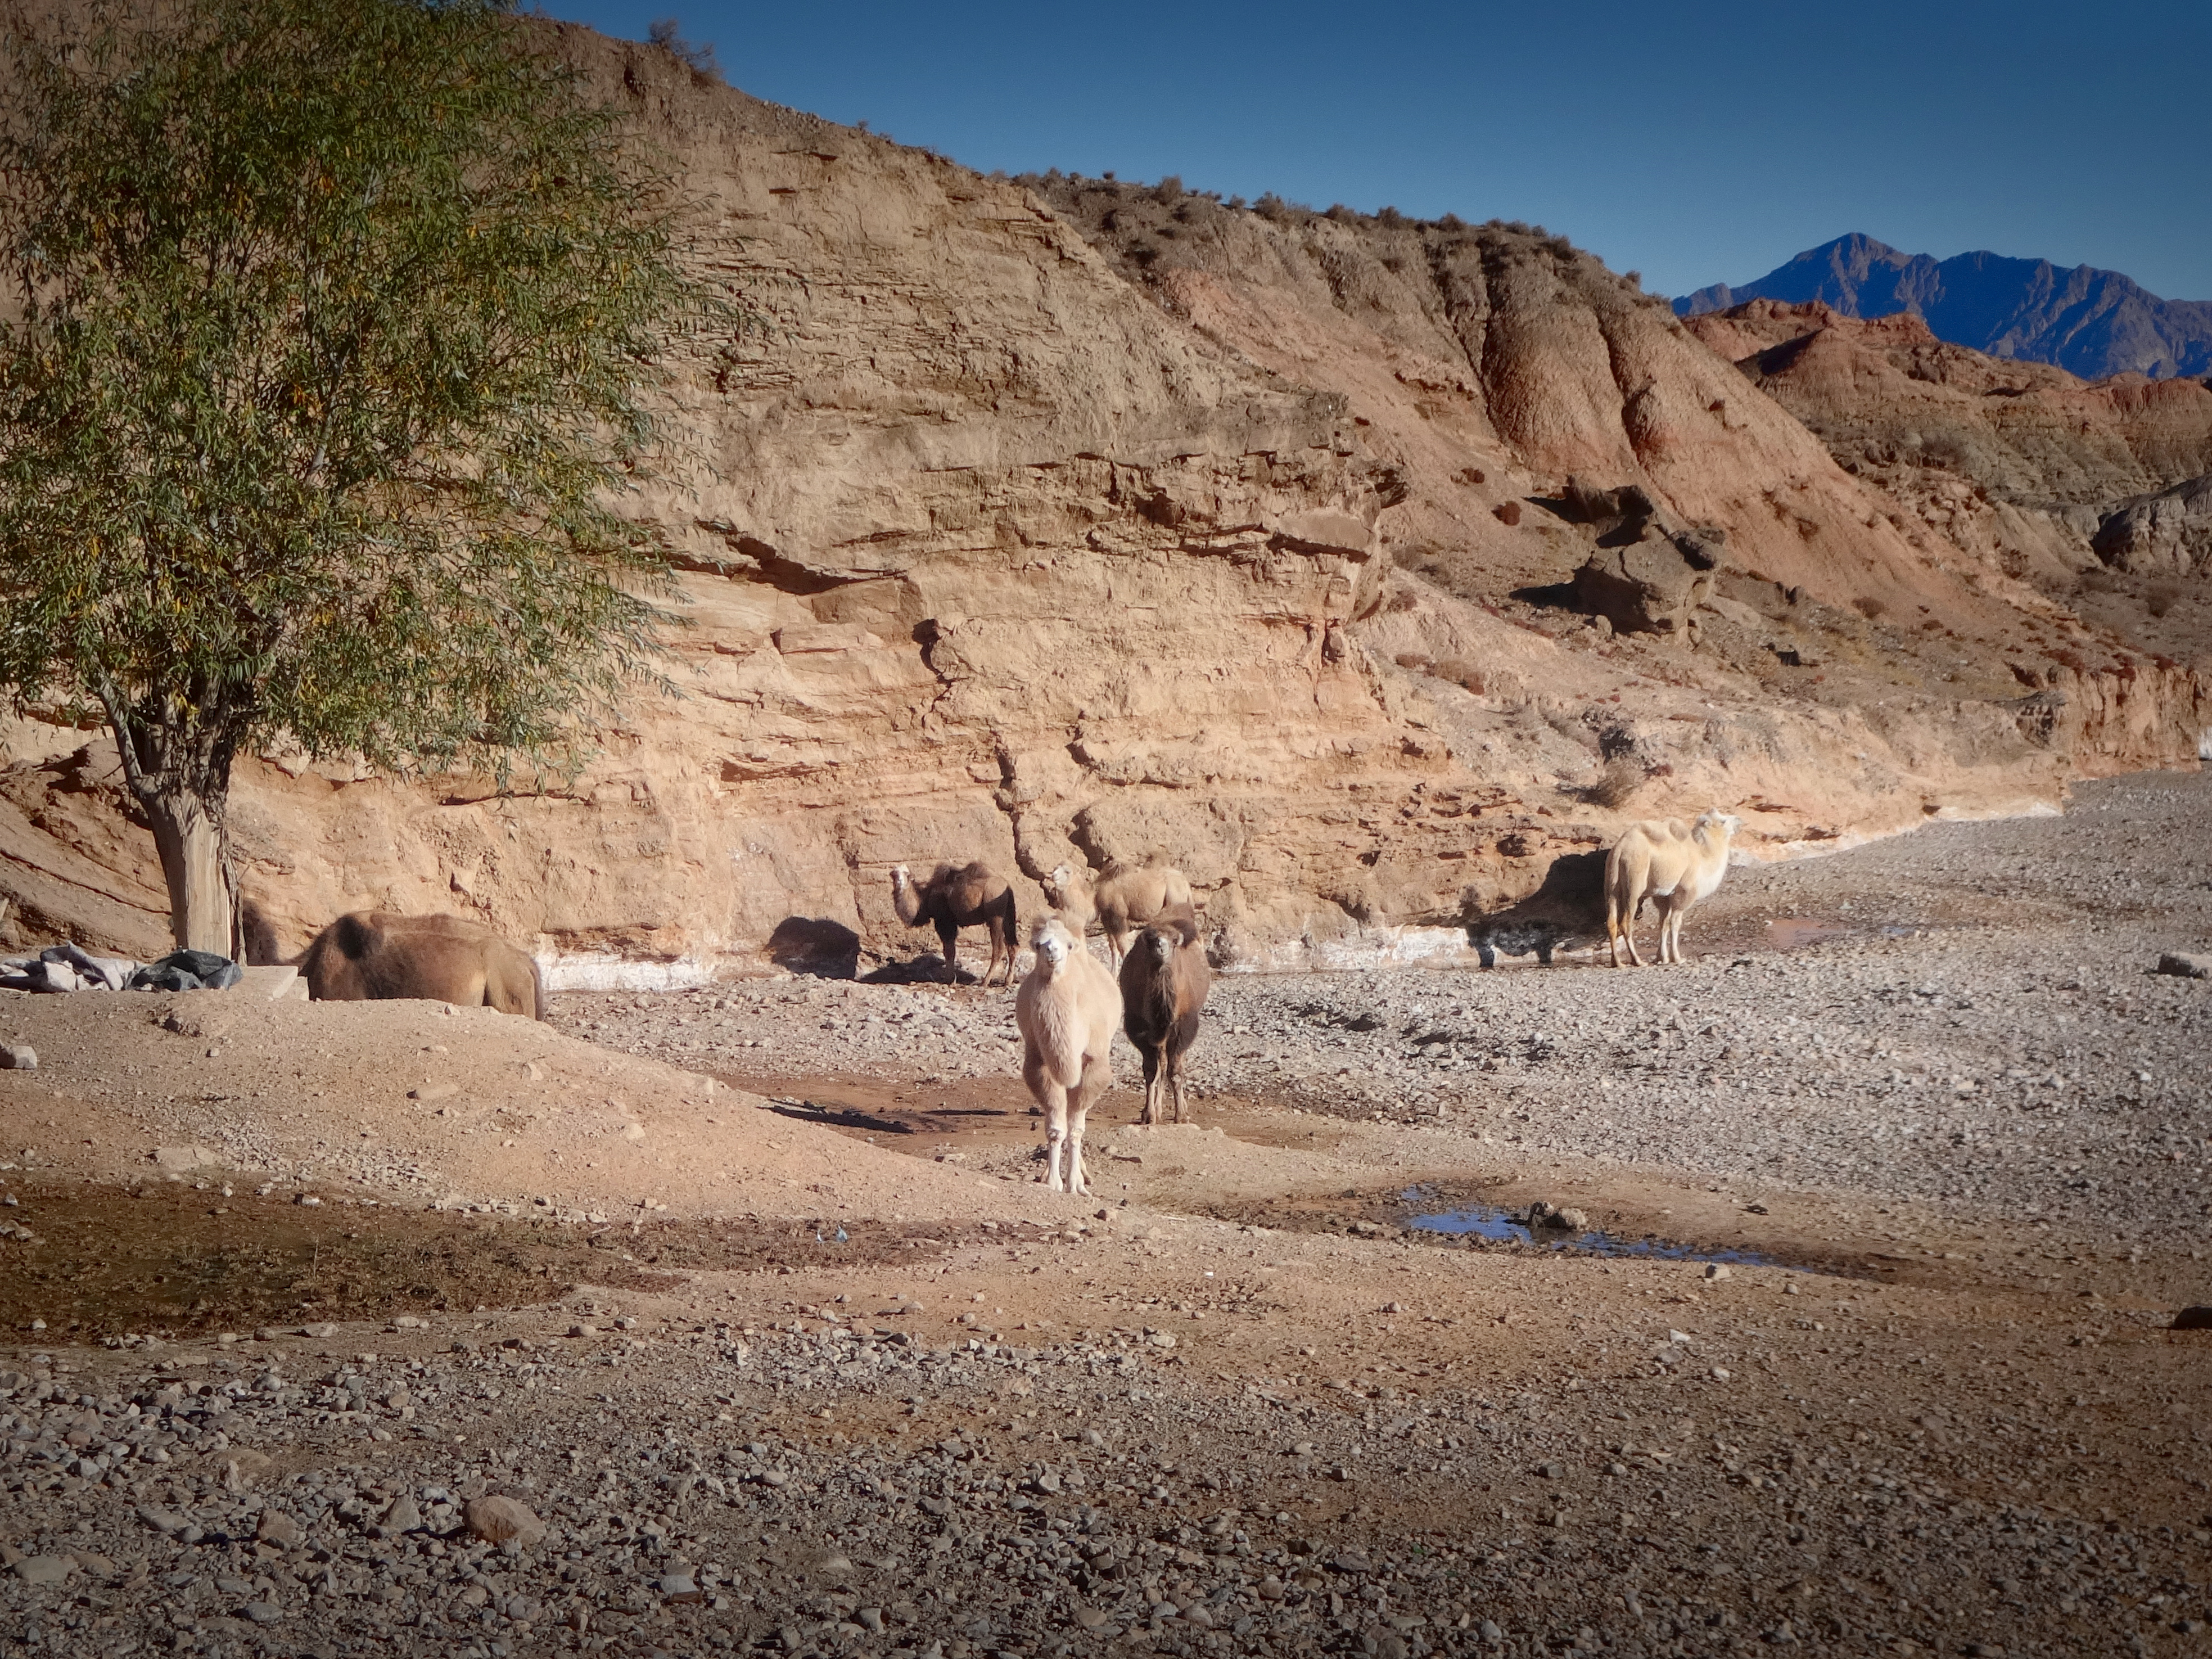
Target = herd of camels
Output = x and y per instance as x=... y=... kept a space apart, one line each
x=1068 y=1007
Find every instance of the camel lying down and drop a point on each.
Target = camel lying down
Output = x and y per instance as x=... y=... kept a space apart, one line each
x=370 y=956
x=1671 y=864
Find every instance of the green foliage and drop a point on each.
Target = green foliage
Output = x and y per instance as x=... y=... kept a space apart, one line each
x=326 y=359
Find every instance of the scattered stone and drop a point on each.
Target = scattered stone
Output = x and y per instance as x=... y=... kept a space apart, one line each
x=1715 y=1271
x=2184 y=965
x=1351 y=1561
x=278 y=1528
x=41 y=1570
x=18 y=1057
x=261 y=1613
x=169 y=1522
x=2197 y=1318
x=181 y=1158
x=403 y=1514
x=1161 y=1338
x=495 y=1520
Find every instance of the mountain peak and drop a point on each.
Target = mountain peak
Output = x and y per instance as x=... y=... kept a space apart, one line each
x=2095 y=323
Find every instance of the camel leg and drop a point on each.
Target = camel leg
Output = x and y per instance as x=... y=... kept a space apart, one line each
x=1078 y=1111
x=1098 y=1078
x=948 y=939
x=1152 y=1111
x=1115 y=950
x=1047 y=1090
x=1175 y=1086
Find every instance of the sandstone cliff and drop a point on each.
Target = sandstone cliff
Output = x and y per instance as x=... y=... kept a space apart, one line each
x=1009 y=543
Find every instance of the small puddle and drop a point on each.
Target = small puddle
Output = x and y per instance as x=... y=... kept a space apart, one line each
x=1498 y=1227
x=1796 y=933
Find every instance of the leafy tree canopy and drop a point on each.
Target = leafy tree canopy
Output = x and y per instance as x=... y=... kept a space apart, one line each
x=326 y=356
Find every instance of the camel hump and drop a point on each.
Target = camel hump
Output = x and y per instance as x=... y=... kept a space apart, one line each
x=354 y=935
x=1179 y=919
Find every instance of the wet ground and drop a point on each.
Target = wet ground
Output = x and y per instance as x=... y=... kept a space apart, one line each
x=88 y=1263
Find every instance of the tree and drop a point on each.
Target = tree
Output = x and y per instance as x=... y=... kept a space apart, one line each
x=328 y=348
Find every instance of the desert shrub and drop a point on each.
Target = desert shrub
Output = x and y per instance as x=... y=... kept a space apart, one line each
x=697 y=55
x=2162 y=597
x=1620 y=779
x=1507 y=513
x=2097 y=579
x=1472 y=475
x=1341 y=214
x=1404 y=599
x=1168 y=191
x=1461 y=672
x=1391 y=216
x=1413 y=662
x=1869 y=607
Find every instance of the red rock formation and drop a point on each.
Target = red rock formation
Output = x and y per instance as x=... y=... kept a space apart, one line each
x=998 y=554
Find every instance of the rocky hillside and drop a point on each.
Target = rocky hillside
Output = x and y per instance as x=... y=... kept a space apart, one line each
x=2098 y=493
x=1361 y=568
x=2091 y=322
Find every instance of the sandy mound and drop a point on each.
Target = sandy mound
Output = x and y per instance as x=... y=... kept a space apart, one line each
x=440 y=1104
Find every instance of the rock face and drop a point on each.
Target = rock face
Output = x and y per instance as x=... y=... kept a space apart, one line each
x=2036 y=474
x=1241 y=537
x=2170 y=532
x=2095 y=323
x=1646 y=575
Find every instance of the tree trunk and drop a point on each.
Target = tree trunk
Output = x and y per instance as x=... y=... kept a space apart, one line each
x=194 y=843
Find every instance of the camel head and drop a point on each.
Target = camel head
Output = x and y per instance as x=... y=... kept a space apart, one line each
x=1161 y=944
x=900 y=880
x=1057 y=883
x=1717 y=823
x=1053 y=942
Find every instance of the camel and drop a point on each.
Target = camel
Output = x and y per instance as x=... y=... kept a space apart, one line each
x=1164 y=980
x=1067 y=1010
x=1673 y=865
x=371 y=956
x=952 y=899
x=1123 y=900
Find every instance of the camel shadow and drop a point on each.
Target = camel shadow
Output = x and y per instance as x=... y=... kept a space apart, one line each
x=1567 y=910
x=927 y=968
x=843 y=1117
x=816 y=946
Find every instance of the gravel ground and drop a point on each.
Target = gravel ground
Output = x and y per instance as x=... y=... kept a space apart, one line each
x=1972 y=1020
x=1122 y=1432
x=817 y=1480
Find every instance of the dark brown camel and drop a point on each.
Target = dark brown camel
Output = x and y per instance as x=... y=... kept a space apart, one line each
x=955 y=898
x=1164 y=980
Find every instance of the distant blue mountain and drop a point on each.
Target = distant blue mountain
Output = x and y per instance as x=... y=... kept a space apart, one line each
x=2092 y=323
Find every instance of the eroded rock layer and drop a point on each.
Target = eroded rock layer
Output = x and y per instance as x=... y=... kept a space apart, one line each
x=1008 y=543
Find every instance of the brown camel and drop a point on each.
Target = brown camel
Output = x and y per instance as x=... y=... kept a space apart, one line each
x=1164 y=981
x=1124 y=899
x=370 y=956
x=955 y=898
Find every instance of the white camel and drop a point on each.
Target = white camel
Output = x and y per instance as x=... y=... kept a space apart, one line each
x=1067 y=1009
x=1673 y=865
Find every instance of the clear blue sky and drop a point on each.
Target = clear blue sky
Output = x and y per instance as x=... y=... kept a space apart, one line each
x=1695 y=144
